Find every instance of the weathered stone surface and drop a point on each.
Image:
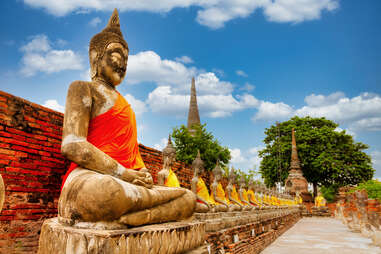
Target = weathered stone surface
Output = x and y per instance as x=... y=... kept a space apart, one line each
x=168 y=238
x=295 y=181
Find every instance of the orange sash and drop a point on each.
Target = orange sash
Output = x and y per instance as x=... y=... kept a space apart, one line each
x=114 y=132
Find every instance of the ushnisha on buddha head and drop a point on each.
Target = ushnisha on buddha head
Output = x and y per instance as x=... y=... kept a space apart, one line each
x=108 y=53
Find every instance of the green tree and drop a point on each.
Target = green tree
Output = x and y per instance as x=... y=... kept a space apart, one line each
x=187 y=144
x=328 y=157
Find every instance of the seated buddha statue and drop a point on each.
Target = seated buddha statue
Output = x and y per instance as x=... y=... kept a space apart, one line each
x=231 y=192
x=166 y=177
x=107 y=181
x=320 y=200
x=204 y=202
x=218 y=193
x=242 y=193
x=298 y=199
x=252 y=195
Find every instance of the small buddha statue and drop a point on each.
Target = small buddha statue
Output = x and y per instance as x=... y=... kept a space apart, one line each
x=166 y=177
x=298 y=198
x=204 y=202
x=251 y=193
x=243 y=195
x=107 y=181
x=218 y=193
x=231 y=192
x=320 y=200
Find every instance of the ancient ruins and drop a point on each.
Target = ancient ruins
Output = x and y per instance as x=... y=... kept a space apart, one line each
x=118 y=196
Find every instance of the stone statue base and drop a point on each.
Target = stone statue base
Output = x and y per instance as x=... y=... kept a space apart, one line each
x=166 y=238
x=322 y=211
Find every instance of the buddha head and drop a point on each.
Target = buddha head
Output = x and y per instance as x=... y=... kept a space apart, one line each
x=217 y=172
x=232 y=176
x=197 y=164
x=108 y=53
x=169 y=154
x=242 y=182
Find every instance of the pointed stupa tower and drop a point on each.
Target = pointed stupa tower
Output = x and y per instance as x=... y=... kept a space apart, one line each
x=295 y=181
x=193 y=115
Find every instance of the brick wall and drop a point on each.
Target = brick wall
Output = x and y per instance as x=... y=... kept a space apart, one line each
x=32 y=168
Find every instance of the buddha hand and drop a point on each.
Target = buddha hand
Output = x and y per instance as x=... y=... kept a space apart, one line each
x=137 y=177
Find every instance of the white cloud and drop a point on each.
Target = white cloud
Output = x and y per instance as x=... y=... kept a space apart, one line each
x=241 y=73
x=138 y=106
x=184 y=59
x=371 y=124
x=95 y=22
x=160 y=146
x=319 y=100
x=236 y=156
x=40 y=57
x=254 y=158
x=273 y=111
x=376 y=161
x=298 y=10
x=164 y=100
x=360 y=113
x=173 y=80
x=212 y=13
x=53 y=104
x=247 y=159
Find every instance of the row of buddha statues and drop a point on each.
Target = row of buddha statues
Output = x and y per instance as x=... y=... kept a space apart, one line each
x=237 y=196
x=107 y=181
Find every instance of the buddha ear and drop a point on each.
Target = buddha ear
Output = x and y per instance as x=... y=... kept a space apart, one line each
x=93 y=63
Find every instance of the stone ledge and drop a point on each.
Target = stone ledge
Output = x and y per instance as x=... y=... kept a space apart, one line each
x=166 y=238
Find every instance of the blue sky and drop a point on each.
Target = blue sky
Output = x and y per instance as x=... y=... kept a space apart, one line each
x=255 y=62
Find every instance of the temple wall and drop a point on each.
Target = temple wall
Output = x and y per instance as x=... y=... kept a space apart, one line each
x=32 y=168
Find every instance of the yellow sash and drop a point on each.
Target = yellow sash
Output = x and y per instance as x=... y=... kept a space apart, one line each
x=235 y=195
x=220 y=193
x=319 y=201
x=203 y=192
x=171 y=180
x=252 y=197
x=245 y=196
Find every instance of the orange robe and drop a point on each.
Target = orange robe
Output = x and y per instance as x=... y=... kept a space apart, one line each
x=114 y=132
x=203 y=192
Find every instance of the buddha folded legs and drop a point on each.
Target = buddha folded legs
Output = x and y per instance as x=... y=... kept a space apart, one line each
x=107 y=180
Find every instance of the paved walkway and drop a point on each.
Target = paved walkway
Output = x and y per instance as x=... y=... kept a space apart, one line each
x=321 y=235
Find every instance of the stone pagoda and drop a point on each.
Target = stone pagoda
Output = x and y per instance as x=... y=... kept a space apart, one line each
x=193 y=115
x=295 y=182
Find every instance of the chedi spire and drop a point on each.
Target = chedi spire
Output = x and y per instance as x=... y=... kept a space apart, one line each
x=193 y=115
x=295 y=163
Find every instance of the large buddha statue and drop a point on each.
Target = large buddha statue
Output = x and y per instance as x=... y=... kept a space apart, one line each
x=232 y=194
x=166 y=177
x=107 y=180
x=204 y=202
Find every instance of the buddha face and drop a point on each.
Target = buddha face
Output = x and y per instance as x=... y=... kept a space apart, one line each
x=113 y=64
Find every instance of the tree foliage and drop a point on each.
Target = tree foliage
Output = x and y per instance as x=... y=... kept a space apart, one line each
x=328 y=157
x=372 y=187
x=210 y=150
